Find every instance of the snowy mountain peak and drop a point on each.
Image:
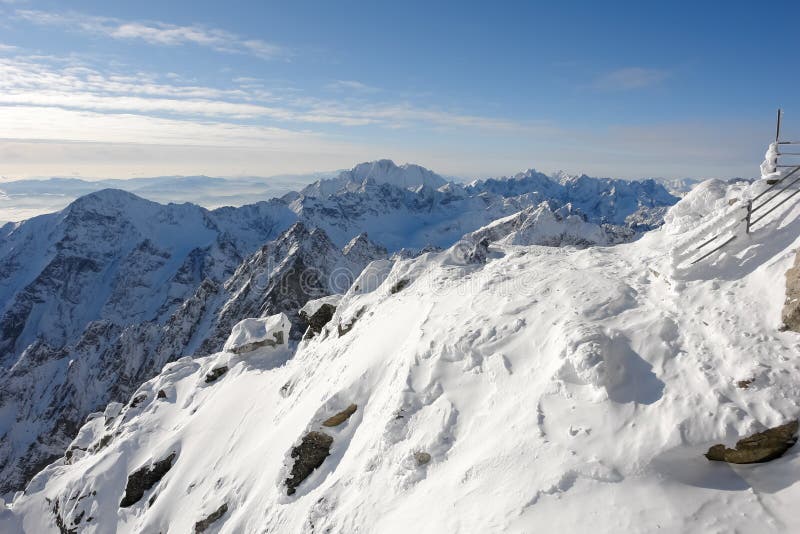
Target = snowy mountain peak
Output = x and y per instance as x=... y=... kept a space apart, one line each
x=361 y=247
x=108 y=201
x=382 y=171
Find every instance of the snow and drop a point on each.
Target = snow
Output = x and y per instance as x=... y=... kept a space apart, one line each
x=567 y=389
x=272 y=331
x=383 y=171
x=540 y=225
x=768 y=165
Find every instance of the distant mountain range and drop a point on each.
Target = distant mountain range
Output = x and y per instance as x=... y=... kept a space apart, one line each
x=23 y=199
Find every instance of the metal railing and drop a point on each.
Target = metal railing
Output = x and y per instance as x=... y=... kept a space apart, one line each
x=748 y=218
x=776 y=163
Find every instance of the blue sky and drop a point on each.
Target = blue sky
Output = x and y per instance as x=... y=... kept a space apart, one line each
x=116 y=89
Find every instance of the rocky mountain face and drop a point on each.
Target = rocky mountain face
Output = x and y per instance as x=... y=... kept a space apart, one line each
x=543 y=225
x=116 y=257
x=109 y=360
x=370 y=197
x=97 y=298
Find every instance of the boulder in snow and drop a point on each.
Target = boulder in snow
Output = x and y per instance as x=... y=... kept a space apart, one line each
x=252 y=334
x=214 y=374
x=145 y=478
x=317 y=313
x=422 y=457
x=213 y=517
x=760 y=447
x=341 y=417
x=312 y=451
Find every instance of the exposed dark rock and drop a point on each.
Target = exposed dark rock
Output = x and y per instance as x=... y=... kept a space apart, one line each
x=250 y=347
x=214 y=374
x=104 y=441
x=744 y=384
x=319 y=319
x=286 y=389
x=399 y=286
x=340 y=417
x=344 y=328
x=472 y=252
x=760 y=447
x=145 y=478
x=137 y=400
x=161 y=394
x=202 y=525
x=61 y=524
x=422 y=457
x=312 y=451
x=791 y=308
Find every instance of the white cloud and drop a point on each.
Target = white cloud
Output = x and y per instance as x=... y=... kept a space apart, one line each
x=630 y=78
x=155 y=33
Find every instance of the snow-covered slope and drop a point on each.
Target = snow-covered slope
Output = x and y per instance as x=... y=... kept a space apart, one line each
x=112 y=357
x=542 y=225
x=97 y=298
x=86 y=297
x=573 y=390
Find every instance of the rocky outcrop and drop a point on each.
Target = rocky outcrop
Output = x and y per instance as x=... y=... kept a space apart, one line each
x=253 y=334
x=215 y=374
x=143 y=479
x=212 y=518
x=791 y=308
x=760 y=447
x=309 y=455
x=399 y=286
x=319 y=319
x=345 y=326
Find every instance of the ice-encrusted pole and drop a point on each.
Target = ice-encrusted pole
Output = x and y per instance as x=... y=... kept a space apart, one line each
x=770 y=165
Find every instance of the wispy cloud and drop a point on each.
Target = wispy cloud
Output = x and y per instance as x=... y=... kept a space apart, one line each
x=155 y=33
x=630 y=78
x=46 y=82
x=351 y=86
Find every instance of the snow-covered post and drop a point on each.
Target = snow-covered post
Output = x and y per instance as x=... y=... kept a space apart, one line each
x=770 y=164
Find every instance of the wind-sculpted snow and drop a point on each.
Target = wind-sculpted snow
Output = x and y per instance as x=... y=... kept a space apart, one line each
x=97 y=298
x=563 y=389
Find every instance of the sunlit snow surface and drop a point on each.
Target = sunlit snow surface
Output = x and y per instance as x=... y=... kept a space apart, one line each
x=558 y=389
